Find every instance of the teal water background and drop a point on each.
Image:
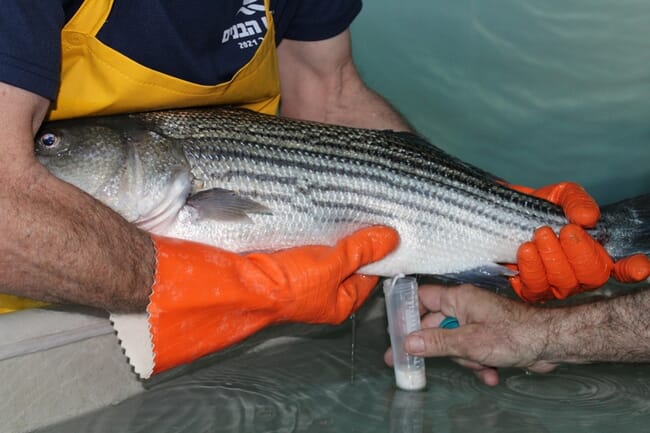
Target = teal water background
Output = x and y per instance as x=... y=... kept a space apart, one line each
x=533 y=91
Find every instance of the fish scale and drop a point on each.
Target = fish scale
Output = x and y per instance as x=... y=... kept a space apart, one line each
x=315 y=183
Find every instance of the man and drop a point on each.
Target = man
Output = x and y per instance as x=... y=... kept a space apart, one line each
x=59 y=244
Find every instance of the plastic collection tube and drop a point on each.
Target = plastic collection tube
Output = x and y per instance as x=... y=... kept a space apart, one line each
x=403 y=313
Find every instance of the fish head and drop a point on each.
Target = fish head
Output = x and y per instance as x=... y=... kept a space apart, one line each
x=86 y=153
x=125 y=164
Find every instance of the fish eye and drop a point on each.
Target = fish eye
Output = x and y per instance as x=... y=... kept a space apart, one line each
x=49 y=140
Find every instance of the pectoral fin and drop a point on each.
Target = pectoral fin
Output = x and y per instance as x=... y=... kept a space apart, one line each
x=225 y=205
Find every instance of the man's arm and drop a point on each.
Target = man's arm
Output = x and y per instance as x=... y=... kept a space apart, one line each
x=58 y=243
x=320 y=82
x=498 y=332
x=614 y=330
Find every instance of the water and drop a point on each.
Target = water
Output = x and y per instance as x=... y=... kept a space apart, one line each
x=305 y=386
x=533 y=91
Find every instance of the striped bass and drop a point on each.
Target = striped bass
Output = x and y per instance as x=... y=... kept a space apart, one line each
x=246 y=182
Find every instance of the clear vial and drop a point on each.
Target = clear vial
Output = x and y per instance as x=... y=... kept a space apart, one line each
x=403 y=313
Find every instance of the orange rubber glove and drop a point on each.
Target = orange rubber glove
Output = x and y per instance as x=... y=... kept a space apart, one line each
x=557 y=266
x=205 y=299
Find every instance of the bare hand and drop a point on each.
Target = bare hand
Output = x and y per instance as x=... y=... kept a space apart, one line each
x=494 y=331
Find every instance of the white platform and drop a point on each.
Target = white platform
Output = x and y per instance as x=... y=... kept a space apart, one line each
x=57 y=364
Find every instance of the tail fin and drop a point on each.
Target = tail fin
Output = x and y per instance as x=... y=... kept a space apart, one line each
x=624 y=227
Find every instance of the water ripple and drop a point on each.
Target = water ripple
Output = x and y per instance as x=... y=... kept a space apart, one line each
x=575 y=392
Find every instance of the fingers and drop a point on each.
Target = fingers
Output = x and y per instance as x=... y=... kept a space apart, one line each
x=431 y=297
x=432 y=320
x=487 y=375
x=544 y=269
x=494 y=332
x=463 y=344
x=520 y=188
x=429 y=342
x=579 y=207
x=437 y=299
x=354 y=292
x=429 y=320
x=348 y=298
x=589 y=260
x=388 y=357
x=632 y=269
x=359 y=249
x=531 y=283
x=365 y=246
x=557 y=267
x=436 y=342
x=440 y=302
x=559 y=272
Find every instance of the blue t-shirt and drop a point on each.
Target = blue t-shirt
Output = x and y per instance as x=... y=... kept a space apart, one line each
x=204 y=42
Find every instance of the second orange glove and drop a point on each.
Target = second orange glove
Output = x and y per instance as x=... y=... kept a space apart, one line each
x=557 y=266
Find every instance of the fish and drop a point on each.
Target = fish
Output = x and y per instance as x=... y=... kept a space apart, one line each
x=250 y=182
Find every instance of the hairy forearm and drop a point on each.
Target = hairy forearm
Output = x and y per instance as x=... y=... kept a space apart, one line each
x=61 y=245
x=613 y=330
x=58 y=243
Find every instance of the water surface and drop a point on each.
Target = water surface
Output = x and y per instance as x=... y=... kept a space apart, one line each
x=309 y=386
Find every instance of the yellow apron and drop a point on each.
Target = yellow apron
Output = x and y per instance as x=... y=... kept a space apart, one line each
x=97 y=80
